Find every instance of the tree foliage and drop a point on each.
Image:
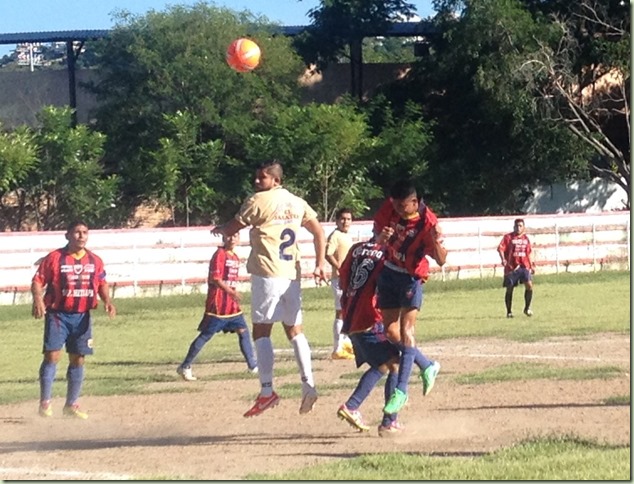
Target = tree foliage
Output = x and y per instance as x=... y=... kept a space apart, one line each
x=168 y=62
x=581 y=80
x=339 y=27
x=489 y=147
x=55 y=175
x=324 y=150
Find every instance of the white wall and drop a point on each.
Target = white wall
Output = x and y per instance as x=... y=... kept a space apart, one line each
x=167 y=261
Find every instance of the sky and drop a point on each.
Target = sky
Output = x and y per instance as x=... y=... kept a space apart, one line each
x=46 y=15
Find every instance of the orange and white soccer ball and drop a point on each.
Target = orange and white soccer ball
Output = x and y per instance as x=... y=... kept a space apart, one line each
x=243 y=55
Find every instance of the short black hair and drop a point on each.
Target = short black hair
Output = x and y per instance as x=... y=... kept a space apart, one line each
x=518 y=220
x=402 y=189
x=341 y=211
x=272 y=167
x=75 y=223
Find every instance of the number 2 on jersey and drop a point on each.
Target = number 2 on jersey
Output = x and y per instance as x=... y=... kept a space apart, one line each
x=288 y=239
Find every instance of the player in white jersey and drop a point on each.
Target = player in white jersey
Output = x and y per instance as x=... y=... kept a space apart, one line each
x=337 y=245
x=276 y=217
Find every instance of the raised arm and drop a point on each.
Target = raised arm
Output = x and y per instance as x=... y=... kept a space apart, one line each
x=228 y=228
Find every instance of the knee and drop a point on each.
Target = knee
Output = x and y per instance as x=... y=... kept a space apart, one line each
x=408 y=336
x=292 y=331
x=393 y=333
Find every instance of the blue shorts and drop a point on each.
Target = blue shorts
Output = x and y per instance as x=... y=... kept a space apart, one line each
x=519 y=275
x=211 y=325
x=398 y=290
x=71 y=329
x=373 y=347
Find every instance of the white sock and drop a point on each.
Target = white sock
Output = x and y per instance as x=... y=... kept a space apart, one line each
x=264 y=352
x=302 y=356
x=336 y=333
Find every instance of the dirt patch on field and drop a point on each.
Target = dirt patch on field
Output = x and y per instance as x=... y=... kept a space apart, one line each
x=196 y=430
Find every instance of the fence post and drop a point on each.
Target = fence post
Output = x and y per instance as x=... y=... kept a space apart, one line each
x=629 y=250
x=135 y=268
x=594 y=247
x=556 y=248
x=182 y=251
x=480 y=249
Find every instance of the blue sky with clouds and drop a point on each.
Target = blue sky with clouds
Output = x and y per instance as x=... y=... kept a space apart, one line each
x=47 y=15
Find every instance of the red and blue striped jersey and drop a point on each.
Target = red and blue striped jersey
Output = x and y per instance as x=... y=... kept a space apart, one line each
x=223 y=266
x=412 y=239
x=358 y=276
x=72 y=285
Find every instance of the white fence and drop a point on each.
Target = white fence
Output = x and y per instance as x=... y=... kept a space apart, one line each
x=175 y=261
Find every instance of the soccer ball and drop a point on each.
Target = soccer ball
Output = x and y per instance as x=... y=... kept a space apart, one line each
x=243 y=55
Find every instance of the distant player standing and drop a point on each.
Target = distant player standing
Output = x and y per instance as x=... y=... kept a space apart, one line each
x=73 y=277
x=364 y=323
x=414 y=234
x=515 y=254
x=337 y=246
x=222 y=308
x=276 y=217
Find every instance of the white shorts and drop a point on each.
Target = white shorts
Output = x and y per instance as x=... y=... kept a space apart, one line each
x=276 y=299
x=336 y=292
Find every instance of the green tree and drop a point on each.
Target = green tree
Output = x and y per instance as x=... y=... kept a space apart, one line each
x=18 y=158
x=324 y=150
x=339 y=27
x=163 y=63
x=402 y=143
x=581 y=79
x=185 y=171
x=69 y=183
x=490 y=148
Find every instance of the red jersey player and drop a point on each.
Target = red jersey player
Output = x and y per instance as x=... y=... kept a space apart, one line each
x=414 y=235
x=72 y=277
x=515 y=254
x=222 y=308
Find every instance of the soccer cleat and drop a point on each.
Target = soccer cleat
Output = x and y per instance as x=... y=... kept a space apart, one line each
x=342 y=354
x=353 y=417
x=509 y=315
x=309 y=397
x=186 y=373
x=428 y=375
x=46 y=409
x=528 y=312
x=74 y=412
x=396 y=402
x=389 y=430
x=254 y=370
x=348 y=348
x=262 y=403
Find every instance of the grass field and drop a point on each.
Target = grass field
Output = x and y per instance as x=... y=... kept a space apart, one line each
x=151 y=335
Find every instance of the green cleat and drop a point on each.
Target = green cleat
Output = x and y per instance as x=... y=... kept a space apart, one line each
x=396 y=402
x=73 y=411
x=428 y=375
x=46 y=409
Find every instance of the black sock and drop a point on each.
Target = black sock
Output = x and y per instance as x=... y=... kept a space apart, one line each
x=508 y=299
x=528 y=297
